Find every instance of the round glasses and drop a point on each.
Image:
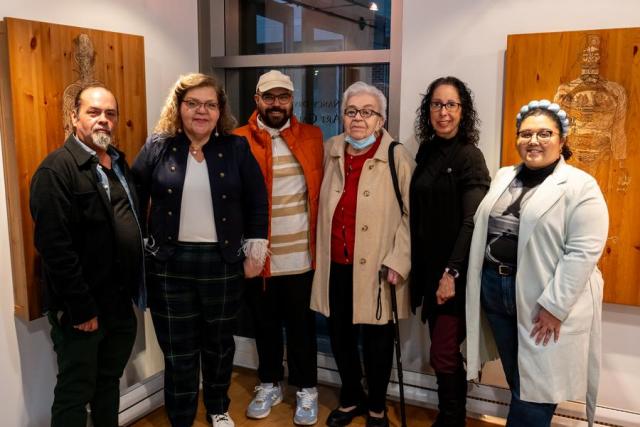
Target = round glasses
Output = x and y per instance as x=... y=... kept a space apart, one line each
x=365 y=113
x=449 y=106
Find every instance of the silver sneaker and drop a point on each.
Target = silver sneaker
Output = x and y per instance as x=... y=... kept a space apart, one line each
x=267 y=395
x=306 y=407
x=222 y=420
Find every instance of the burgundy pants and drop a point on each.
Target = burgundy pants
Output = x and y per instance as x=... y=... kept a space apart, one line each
x=447 y=332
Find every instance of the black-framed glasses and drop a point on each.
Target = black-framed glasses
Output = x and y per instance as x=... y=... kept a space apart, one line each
x=283 y=98
x=193 y=104
x=543 y=135
x=365 y=113
x=449 y=106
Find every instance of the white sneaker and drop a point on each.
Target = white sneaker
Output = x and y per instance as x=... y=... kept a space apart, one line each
x=306 y=407
x=267 y=395
x=222 y=420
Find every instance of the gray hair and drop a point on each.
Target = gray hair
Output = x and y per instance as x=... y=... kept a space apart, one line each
x=361 y=87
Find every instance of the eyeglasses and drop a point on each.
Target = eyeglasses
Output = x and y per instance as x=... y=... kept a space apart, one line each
x=365 y=113
x=543 y=135
x=283 y=98
x=449 y=106
x=192 y=104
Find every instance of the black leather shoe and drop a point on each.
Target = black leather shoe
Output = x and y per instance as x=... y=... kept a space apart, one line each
x=338 y=418
x=377 y=422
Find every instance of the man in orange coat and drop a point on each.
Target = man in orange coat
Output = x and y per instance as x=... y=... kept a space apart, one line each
x=290 y=155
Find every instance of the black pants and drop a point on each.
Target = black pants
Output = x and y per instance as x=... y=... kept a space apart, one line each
x=90 y=365
x=284 y=301
x=194 y=300
x=377 y=345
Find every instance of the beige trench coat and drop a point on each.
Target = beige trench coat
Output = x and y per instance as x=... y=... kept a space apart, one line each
x=563 y=231
x=382 y=234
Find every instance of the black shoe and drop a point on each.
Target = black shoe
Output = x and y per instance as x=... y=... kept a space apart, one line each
x=378 y=422
x=338 y=418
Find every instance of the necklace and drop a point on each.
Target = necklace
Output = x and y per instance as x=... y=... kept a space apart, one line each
x=195 y=149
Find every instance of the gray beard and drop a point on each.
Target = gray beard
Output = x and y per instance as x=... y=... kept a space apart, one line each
x=101 y=140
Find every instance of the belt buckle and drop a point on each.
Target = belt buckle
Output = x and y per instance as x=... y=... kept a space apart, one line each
x=504 y=270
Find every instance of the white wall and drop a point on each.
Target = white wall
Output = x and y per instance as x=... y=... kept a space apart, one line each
x=468 y=39
x=169 y=28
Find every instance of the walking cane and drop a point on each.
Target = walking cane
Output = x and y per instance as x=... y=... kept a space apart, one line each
x=394 y=302
x=396 y=339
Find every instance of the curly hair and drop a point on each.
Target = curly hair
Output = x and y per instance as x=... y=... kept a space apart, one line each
x=469 y=122
x=170 y=122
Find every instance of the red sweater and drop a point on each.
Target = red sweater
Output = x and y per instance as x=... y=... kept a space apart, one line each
x=343 y=225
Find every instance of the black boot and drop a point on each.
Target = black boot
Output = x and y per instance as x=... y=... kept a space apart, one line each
x=452 y=400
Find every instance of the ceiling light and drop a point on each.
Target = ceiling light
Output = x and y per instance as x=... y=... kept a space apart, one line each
x=373 y=6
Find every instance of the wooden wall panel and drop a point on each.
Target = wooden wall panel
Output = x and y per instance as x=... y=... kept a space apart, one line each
x=41 y=65
x=536 y=66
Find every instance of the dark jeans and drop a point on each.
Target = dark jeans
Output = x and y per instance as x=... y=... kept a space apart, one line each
x=377 y=345
x=284 y=301
x=194 y=300
x=498 y=299
x=90 y=365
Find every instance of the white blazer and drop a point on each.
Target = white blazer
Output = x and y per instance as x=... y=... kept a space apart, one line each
x=563 y=231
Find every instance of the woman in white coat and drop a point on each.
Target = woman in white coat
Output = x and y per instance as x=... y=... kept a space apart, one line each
x=360 y=231
x=534 y=290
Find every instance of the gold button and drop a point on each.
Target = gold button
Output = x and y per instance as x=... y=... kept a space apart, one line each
x=173 y=168
x=219 y=154
x=169 y=213
x=224 y=196
x=366 y=193
x=170 y=191
x=363 y=261
x=226 y=242
x=365 y=228
x=221 y=174
x=169 y=238
x=224 y=219
x=174 y=149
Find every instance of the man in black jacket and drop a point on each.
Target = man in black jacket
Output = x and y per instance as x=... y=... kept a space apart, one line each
x=88 y=235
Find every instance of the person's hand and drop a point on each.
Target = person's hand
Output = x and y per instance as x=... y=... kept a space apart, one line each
x=251 y=268
x=446 y=288
x=545 y=325
x=393 y=277
x=88 y=326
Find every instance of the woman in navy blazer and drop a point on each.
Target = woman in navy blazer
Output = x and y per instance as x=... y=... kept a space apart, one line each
x=206 y=208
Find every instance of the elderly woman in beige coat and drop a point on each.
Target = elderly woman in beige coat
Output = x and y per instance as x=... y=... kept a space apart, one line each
x=534 y=291
x=363 y=252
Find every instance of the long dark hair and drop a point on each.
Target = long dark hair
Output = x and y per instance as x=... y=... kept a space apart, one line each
x=469 y=122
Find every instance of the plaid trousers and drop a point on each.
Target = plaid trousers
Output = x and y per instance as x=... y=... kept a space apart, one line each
x=194 y=299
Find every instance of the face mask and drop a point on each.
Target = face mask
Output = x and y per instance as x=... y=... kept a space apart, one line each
x=359 y=144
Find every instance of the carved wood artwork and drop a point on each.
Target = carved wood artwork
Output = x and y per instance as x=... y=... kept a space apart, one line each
x=46 y=64
x=595 y=77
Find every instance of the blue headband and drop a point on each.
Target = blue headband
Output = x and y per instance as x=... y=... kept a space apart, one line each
x=545 y=104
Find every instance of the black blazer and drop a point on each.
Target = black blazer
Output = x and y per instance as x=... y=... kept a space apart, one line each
x=75 y=235
x=237 y=191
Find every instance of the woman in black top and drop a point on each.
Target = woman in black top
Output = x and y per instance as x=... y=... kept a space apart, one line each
x=450 y=180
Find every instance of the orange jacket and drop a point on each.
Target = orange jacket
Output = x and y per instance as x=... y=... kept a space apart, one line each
x=305 y=143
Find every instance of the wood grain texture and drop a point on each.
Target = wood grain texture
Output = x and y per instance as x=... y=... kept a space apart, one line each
x=41 y=66
x=241 y=392
x=536 y=66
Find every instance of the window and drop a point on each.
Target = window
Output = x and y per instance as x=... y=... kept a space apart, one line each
x=324 y=45
x=288 y=26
